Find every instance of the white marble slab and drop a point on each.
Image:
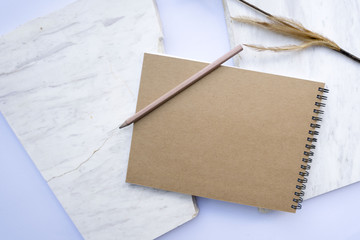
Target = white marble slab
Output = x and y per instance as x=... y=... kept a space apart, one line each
x=66 y=83
x=337 y=154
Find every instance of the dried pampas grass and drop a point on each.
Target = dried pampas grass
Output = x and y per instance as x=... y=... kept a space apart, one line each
x=290 y=28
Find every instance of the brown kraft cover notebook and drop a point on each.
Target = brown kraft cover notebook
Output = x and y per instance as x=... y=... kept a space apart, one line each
x=236 y=135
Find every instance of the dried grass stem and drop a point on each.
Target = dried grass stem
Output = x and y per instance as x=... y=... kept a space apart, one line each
x=290 y=28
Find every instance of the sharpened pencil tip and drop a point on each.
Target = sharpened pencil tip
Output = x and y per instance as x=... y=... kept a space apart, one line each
x=123 y=125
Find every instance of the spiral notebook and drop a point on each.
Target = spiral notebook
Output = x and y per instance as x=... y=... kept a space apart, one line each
x=236 y=135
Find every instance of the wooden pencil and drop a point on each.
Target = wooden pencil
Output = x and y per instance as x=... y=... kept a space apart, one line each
x=182 y=86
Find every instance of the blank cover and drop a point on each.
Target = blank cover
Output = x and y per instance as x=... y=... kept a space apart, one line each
x=235 y=135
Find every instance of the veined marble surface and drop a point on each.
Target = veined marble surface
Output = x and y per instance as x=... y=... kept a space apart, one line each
x=66 y=83
x=337 y=154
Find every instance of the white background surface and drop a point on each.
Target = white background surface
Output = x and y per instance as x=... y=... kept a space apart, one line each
x=192 y=29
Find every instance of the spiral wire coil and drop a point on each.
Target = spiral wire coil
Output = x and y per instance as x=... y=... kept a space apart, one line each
x=308 y=154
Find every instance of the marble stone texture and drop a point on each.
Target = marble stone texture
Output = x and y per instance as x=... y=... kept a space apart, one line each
x=67 y=81
x=337 y=154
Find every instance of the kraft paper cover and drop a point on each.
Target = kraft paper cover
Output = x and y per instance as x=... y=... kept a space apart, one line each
x=235 y=135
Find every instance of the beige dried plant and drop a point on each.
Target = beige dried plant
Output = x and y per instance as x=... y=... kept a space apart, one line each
x=290 y=28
